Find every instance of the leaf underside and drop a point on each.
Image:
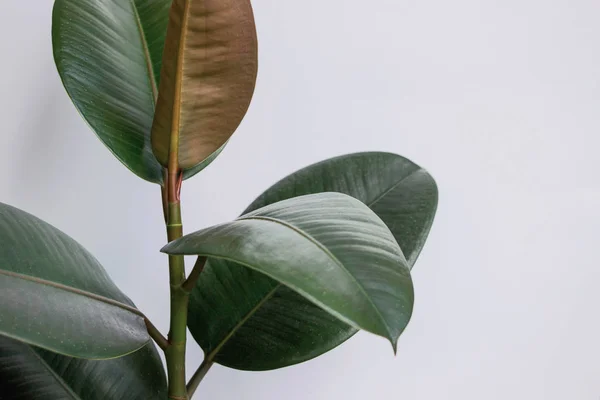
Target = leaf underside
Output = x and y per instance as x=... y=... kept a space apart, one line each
x=207 y=79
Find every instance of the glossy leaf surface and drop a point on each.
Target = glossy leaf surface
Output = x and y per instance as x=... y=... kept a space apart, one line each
x=108 y=54
x=55 y=295
x=400 y=192
x=207 y=80
x=30 y=373
x=286 y=328
x=328 y=247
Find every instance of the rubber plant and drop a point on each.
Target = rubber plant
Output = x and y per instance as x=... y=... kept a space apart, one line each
x=323 y=253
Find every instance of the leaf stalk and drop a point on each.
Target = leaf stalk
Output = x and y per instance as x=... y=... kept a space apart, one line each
x=190 y=282
x=155 y=334
x=198 y=376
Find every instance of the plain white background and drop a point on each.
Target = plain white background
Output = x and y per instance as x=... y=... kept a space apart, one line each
x=499 y=100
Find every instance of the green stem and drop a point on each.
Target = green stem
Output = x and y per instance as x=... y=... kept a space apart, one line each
x=175 y=352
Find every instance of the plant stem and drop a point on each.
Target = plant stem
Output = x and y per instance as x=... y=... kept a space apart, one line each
x=198 y=376
x=175 y=352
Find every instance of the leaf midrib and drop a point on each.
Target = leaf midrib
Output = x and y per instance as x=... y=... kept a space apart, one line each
x=210 y=356
x=73 y=290
x=332 y=256
x=392 y=188
x=56 y=377
x=176 y=117
x=146 y=48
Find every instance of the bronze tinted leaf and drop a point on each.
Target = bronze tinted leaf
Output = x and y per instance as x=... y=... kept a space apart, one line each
x=207 y=78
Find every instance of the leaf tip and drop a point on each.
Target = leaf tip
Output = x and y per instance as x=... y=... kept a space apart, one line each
x=395 y=346
x=165 y=248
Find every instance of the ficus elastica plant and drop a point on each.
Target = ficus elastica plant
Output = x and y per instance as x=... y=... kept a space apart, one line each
x=323 y=253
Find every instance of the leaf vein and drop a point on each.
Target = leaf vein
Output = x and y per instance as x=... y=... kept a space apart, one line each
x=331 y=255
x=391 y=188
x=71 y=289
x=58 y=379
x=230 y=334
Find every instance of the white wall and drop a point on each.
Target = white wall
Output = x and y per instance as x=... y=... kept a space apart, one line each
x=499 y=100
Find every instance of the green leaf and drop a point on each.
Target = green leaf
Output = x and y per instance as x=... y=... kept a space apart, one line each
x=255 y=323
x=55 y=295
x=328 y=247
x=400 y=192
x=108 y=54
x=30 y=373
x=207 y=80
x=287 y=329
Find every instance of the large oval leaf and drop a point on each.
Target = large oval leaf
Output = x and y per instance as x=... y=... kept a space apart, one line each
x=207 y=78
x=279 y=326
x=328 y=247
x=108 y=54
x=55 y=295
x=30 y=373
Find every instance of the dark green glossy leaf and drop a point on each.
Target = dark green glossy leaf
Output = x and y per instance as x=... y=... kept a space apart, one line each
x=403 y=194
x=254 y=323
x=55 y=295
x=108 y=54
x=30 y=373
x=287 y=329
x=328 y=247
